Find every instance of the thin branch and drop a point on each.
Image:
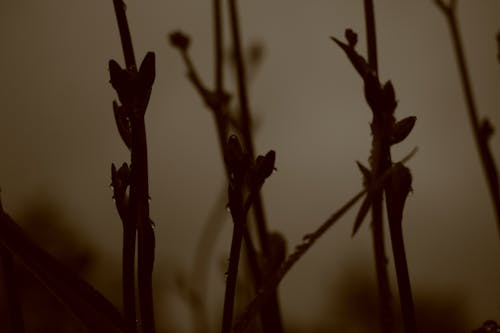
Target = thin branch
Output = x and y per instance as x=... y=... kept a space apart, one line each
x=271 y=316
x=396 y=193
x=245 y=116
x=482 y=129
x=380 y=160
x=128 y=50
x=234 y=257
x=134 y=88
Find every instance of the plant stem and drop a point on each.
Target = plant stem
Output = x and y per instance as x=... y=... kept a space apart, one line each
x=396 y=192
x=271 y=316
x=129 y=224
x=128 y=276
x=126 y=40
x=246 y=126
x=139 y=198
x=481 y=136
x=380 y=161
x=139 y=188
x=14 y=309
x=238 y=215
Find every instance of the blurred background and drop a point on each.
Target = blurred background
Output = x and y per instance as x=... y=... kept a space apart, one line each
x=58 y=140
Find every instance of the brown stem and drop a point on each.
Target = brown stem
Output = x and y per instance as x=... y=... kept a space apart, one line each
x=272 y=321
x=380 y=160
x=128 y=50
x=481 y=134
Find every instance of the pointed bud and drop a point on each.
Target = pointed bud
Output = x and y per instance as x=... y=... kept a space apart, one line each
x=147 y=71
x=120 y=180
x=367 y=174
x=179 y=40
x=402 y=129
x=389 y=98
x=264 y=166
x=351 y=37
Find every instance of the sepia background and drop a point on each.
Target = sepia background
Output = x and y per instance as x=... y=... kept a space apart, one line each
x=58 y=140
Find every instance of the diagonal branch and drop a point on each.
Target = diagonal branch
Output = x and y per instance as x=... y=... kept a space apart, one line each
x=482 y=129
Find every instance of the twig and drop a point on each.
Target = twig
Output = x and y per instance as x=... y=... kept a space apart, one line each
x=128 y=50
x=482 y=129
x=380 y=160
x=232 y=273
x=396 y=193
x=271 y=315
x=134 y=88
x=246 y=126
x=120 y=180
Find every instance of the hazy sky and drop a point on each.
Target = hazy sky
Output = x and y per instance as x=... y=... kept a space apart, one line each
x=58 y=137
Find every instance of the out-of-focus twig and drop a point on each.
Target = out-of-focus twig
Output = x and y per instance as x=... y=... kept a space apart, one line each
x=482 y=128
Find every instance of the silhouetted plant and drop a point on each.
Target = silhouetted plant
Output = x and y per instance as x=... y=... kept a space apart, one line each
x=246 y=173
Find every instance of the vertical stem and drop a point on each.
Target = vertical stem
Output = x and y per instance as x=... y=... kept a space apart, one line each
x=222 y=125
x=219 y=55
x=379 y=160
x=271 y=316
x=139 y=188
x=245 y=117
x=236 y=205
x=126 y=40
x=128 y=275
x=139 y=198
x=371 y=36
x=14 y=309
x=396 y=193
x=404 y=287
x=129 y=226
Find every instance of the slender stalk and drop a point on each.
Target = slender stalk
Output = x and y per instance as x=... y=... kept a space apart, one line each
x=128 y=251
x=380 y=161
x=139 y=198
x=14 y=309
x=139 y=188
x=126 y=40
x=396 y=192
x=481 y=129
x=129 y=227
x=219 y=54
x=246 y=119
x=271 y=316
x=238 y=215
x=128 y=276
